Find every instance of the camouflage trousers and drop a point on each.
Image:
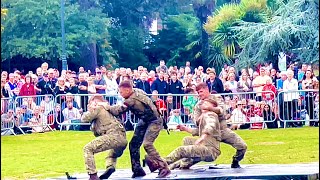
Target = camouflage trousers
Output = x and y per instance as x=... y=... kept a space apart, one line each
x=233 y=139
x=115 y=143
x=146 y=134
x=189 y=154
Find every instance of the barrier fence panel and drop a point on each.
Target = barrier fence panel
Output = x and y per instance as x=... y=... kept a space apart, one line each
x=7 y=118
x=244 y=110
x=298 y=108
x=33 y=112
x=70 y=108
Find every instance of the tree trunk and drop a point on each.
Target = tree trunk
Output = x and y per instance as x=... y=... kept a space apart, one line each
x=88 y=56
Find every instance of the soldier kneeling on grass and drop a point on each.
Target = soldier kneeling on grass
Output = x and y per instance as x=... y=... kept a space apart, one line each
x=205 y=148
x=110 y=136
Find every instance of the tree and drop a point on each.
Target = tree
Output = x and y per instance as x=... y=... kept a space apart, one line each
x=223 y=38
x=33 y=30
x=3 y=15
x=292 y=27
x=178 y=41
x=203 y=9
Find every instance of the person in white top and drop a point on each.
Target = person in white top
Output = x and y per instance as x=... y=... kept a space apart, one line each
x=70 y=113
x=233 y=84
x=112 y=88
x=290 y=98
x=259 y=82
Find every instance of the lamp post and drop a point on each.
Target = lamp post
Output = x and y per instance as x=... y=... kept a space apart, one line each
x=63 y=35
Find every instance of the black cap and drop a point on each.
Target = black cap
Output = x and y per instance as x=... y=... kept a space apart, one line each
x=45 y=74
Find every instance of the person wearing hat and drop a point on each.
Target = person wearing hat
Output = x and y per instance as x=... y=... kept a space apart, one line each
x=110 y=135
x=45 y=85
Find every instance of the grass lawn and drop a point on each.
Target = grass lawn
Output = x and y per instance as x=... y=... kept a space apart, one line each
x=51 y=154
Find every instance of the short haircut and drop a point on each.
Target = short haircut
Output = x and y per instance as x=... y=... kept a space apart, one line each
x=126 y=84
x=202 y=85
x=189 y=90
x=213 y=102
x=214 y=92
x=174 y=73
x=97 y=97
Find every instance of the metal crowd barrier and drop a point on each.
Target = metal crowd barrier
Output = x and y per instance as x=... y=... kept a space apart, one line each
x=241 y=107
x=249 y=110
x=298 y=108
x=70 y=118
x=29 y=113
x=7 y=121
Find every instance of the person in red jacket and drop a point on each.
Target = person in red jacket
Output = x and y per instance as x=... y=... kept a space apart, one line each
x=269 y=96
x=27 y=88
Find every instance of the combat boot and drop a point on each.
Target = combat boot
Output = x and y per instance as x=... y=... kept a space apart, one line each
x=235 y=164
x=164 y=172
x=94 y=176
x=138 y=173
x=108 y=173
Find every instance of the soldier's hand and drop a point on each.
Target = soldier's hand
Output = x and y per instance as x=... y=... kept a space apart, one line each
x=182 y=127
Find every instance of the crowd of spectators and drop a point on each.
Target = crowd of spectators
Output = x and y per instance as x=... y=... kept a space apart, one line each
x=48 y=96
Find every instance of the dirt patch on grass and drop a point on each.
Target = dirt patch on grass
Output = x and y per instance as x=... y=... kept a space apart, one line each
x=269 y=143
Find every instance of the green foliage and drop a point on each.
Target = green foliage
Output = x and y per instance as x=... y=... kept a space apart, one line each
x=129 y=46
x=4 y=12
x=33 y=29
x=294 y=26
x=178 y=41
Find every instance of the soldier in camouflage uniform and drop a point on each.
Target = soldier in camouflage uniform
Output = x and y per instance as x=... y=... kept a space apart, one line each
x=227 y=135
x=147 y=129
x=110 y=136
x=206 y=148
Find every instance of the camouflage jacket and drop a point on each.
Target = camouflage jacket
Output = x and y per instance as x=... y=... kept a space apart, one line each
x=103 y=122
x=197 y=110
x=139 y=104
x=209 y=124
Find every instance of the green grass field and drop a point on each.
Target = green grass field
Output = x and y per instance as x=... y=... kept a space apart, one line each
x=37 y=156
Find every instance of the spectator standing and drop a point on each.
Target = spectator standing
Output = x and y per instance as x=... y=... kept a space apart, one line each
x=27 y=89
x=214 y=83
x=83 y=90
x=290 y=98
x=271 y=94
x=112 y=88
x=232 y=82
x=162 y=67
x=60 y=89
x=45 y=85
x=175 y=87
x=259 y=82
x=308 y=83
x=99 y=83
x=143 y=84
x=160 y=85
x=152 y=76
